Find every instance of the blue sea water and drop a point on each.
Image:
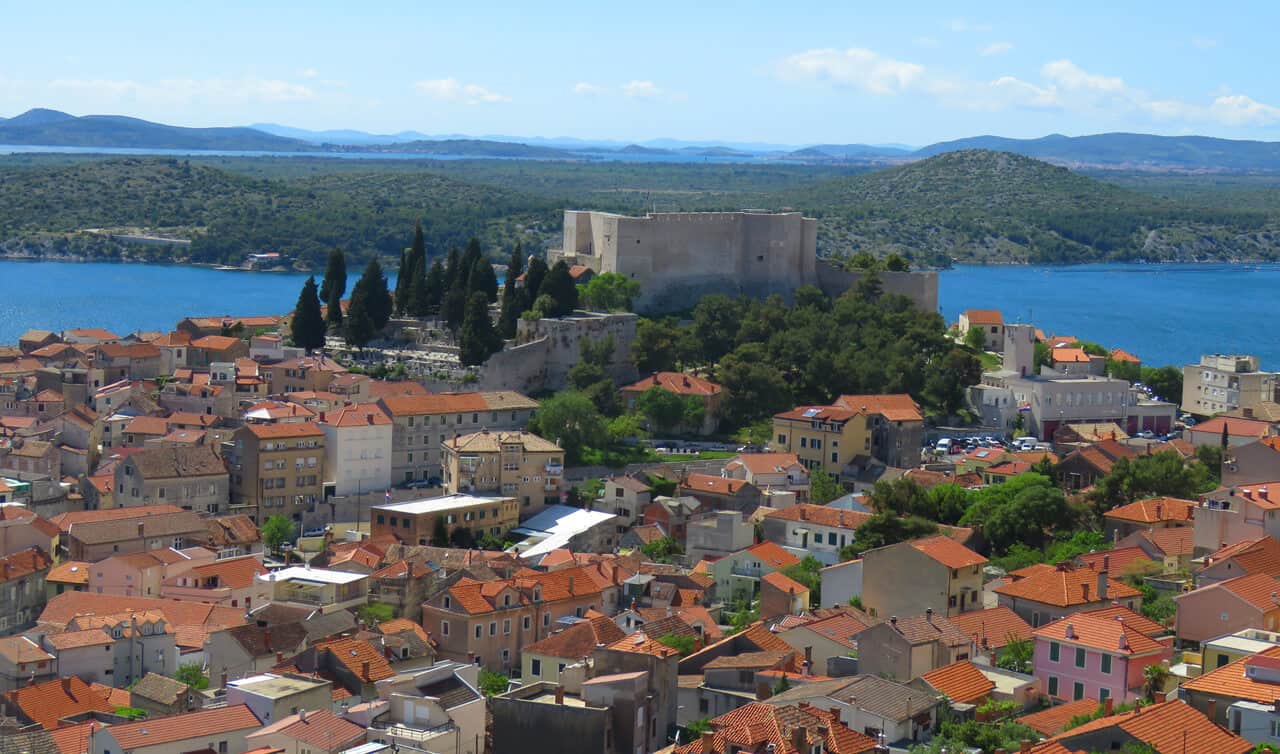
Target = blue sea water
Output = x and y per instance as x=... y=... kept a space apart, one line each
x=1166 y=314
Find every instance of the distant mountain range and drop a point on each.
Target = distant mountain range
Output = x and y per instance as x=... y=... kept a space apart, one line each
x=1120 y=151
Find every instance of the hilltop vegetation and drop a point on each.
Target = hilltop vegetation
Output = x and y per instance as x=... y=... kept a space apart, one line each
x=973 y=206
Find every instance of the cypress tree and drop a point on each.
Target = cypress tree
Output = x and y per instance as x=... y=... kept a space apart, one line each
x=452 y=268
x=559 y=285
x=435 y=286
x=533 y=279
x=418 y=304
x=512 y=303
x=469 y=259
x=335 y=275
x=483 y=280
x=307 y=325
x=377 y=297
x=333 y=315
x=478 y=339
x=402 y=283
x=412 y=262
x=453 y=307
x=359 y=329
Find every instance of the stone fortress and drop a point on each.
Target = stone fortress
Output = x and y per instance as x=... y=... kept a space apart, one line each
x=677 y=257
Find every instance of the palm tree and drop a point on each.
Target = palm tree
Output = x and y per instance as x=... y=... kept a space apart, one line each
x=1155 y=677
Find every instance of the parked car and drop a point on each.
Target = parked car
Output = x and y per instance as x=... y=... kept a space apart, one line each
x=943 y=446
x=1146 y=434
x=420 y=484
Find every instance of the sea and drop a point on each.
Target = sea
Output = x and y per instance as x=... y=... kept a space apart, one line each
x=1163 y=313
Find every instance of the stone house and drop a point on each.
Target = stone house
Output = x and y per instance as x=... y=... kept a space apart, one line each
x=908 y=578
x=908 y=647
x=687 y=387
x=22 y=589
x=192 y=478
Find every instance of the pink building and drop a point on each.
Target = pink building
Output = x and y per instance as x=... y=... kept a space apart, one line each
x=1099 y=654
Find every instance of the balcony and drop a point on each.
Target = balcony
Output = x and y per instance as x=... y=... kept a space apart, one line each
x=751 y=573
x=554 y=469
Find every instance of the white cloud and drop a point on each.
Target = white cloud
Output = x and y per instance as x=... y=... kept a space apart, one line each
x=645 y=89
x=857 y=67
x=587 y=89
x=996 y=48
x=1068 y=75
x=1203 y=43
x=634 y=89
x=308 y=73
x=1242 y=110
x=961 y=26
x=452 y=90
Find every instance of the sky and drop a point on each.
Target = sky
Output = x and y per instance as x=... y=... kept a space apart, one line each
x=791 y=73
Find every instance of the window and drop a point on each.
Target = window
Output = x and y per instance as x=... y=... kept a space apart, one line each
x=1077 y=690
x=493 y=628
x=782 y=439
x=1103 y=694
x=831 y=538
x=1080 y=654
x=1106 y=664
x=804 y=442
x=448 y=603
x=1055 y=651
x=535 y=667
x=546 y=619
x=506 y=627
x=524 y=623
x=444 y=628
x=479 y=630
x=1053 y=685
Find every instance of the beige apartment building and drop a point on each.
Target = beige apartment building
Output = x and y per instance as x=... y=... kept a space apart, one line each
x=423 y=423
x=414 y=521
x=1221 y=383
x=510 y=464
x=276 y=469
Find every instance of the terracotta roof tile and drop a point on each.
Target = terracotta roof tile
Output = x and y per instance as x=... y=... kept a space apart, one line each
x=898 y=407
x=1155 y=510
x=1106 y=634
x=758 y=726
x=319 y=728
x=961 y=682
x=984 y=316
x=188 y=726
x=761 y=660
x=579 y=640
x=353 y=654
x=285 y=429
x=675 y=382
x=773 y=555
x=1117 y=561
x=21 y=649
x=1052 y=721
x=1236 y=427
x=1231 y=680
x=993 y=627
x=1174 y=540
x=948 y=552
x=780 y=581
x=838 y=518
x=641 y=643
x=24 y=563
x=1170 y=728
x=47 y=703
x=1065 y=587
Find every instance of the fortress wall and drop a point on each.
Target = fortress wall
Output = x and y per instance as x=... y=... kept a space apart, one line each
x=920 y=287
x=563 y=345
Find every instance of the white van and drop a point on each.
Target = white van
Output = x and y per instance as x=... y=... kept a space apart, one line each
x=943 y=447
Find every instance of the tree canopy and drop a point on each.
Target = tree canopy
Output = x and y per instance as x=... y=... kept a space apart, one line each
x=306 y=327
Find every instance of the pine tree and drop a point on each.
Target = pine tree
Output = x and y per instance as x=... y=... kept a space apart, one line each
x=559 y=285
x=470 y=258
x=418 y=304
x=335 y=275
x=478 y=340
x=435 y=286
x=483 y=280
x=452 y=269
x=307 y=325
x=511 y=295
x=412 y=263
x=453 y=307
x=359 y=328
x=377 y=297
x=533 y=279
x=333 y=314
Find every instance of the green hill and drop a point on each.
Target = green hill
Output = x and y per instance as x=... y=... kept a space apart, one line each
x=1130 y=151
x=53 y=128
x=60 y=211
x=998 y=207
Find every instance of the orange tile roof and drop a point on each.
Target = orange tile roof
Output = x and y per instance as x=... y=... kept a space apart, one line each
x=435 y=403
x=824 y=515
x=841 y=628
x=24 y=563
x=1170 y=728
x=758 y=727
x=236 y=573
x=353 y=654
x=1109 y=635
x=896 y=407
x=773 y=555
x=147 y=425
x=578 y=640
x=1116 y=561
x=285 y=429
x=948 y=552
x=766 y=463
x=320 y=728
x=829 y=414
x=401 y=625
x=641 y=643
x=65 y=607
x=961 y=681
x=47 y=703
x=1155 y=510
x=1236 y=427
x=1173 y=540
x=780 y=581
x=1119 y=354
x=1065 y=587
x=1068 y=355
x=188 y=726
x=1054 y=720
x=675 y=382
x=1134 y=621
x=1260 y=555
x=993 y=627
x=21 y=649
x=74 y=739
x=64 y=520
x=359 y=415
x=714 y=484
x=984 y=316
x=214 y=342
x=1230 y=680
x=1256 y=589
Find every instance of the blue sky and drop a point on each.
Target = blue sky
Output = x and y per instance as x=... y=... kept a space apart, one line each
x=793 y=73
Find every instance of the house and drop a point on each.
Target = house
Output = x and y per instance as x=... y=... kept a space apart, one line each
x=823 y=639
x=717 y=535
x=299 y=374
x=440 y=520
x=690 y=388
x=1083 y=467
x=1153 y=513
x=357 y=448
x=488 y=622
x=823 y=531
x=909 y=577
x=276 y=469
x=407 y=640
x=989 y=321
x=1054 y=720
x=511 y=464
x=960 y=682
x=739 y=574
x=439 y=708
x=354 y=664
x=230 y=582
x=317 y=731
x=23 y=662
x=651 y=684
x=565 y=657
x=233 y=536
x=1053 y=592
x=908 y=647
x=1221 y=650
x=161 y=696
x=139 y=574
x=32 y=340
x=94 y=538
x=895 y=423
x=993 y=629
x=771 y=471
x=22 y=588
x=883 y=709
x=273 y=697
x=221 y=729
x=625 y=497
x=720 y=493
x=1167 y=728
x=422 y=423
x=48 y=704
x=1098 y=655
x=565 y=528
x=1246 y=557
x=889 y=428
x=31 y=457
x=328 y=590
x=116 y=646
x=246 y=651
x=192 y=478
x=842 y=582
x=1225 y=607
x=1240 y=695
x=673 y=514
x=1239 y=431
x=22 y=528
x=781 y=595
x=543 y=717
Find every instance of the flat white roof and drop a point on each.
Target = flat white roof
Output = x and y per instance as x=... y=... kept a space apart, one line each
x=556 y=525
x=318 y=575
x=438 y=504
x=1240 y=644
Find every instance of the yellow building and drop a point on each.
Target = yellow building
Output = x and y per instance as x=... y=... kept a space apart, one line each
x=822 y=437
x=508 y=464
x=276 y=469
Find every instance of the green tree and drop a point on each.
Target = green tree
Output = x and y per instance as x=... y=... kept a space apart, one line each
x=434 y=285
x=716 y=321
x=374 y=613
x=439 y=533
x=333 y=309
x=781 y=686
x=1017 y=655
x=869 y=287
x=823 y=487
x=1025 y=509
x=887 y=529
x=306 y=328
x=403 y=279
x=377 y=299
x=560 y=287
x=335 y=275
x=685 y=645
x=656 y=347
x=755 y=386
x=533 y=279
x=976 y=338
x=453 y=307
x=478 y=340
x=694 y=414
x=418 y=301
x=663 y=408
x=808 y=573
x=573 y=421
x=1164 y=474
x=610 y=292
x=484 y=280
x=1165 y=382
x=512 y=297
x=662 y=550
x=696 y=728
x=276 y=531
x=453 y=276
x=1154 y=678
x=491 y=683
x=359 y=328
x=192 y=674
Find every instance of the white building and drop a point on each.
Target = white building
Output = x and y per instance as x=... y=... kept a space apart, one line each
x=357 y=448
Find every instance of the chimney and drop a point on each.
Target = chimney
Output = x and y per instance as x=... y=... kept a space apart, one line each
x=322 y=417
x=835 y=714
x=224 y=679
x=1071 y=631
x=279 y=657
x=1213 y=709
x=1084 y=588
x=369 y=417
x=364 y=670
x=800 y=738
x=66 y=685
x=1025 y=748
x=1159 y=509
x=302 y=715
x=808 y=656
x=1102 y=581
x=266 y=639
x=708 y=742
x=893 y=621
x=763 y=691
x=928 y=615
x=1106 y=706
x=559 y=694
x=571 y=586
